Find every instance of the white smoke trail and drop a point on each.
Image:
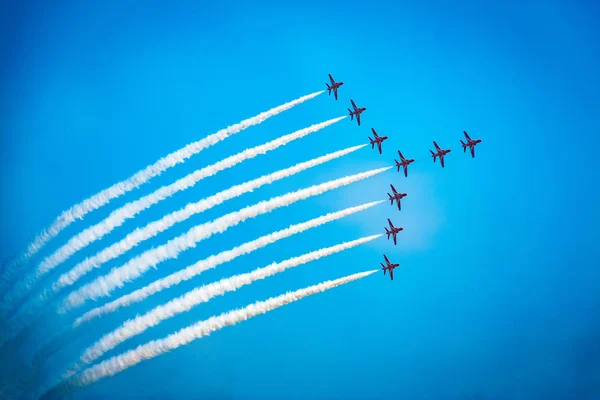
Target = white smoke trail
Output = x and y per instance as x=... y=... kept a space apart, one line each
x=197 y=296
x=98 y=200
x=186 y=335
x=137 y=266
x=20 y=319
x=130 y=210
x=214 y=261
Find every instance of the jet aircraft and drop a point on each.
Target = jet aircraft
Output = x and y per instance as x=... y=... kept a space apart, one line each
x=389 y=267
x=357 y=111
x=397 y=196
x=334 y=86
x=470 y=143
x=440 y=153
x=377 y=141
x=392 y=231
x=404 y=163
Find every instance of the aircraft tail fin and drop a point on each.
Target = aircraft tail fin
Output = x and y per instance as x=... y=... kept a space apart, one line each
x=351 y=115
x=397 y=165
x=391 y=199
x=464 y=146
x=433 y=154
x=383 y=266
x=372 y=142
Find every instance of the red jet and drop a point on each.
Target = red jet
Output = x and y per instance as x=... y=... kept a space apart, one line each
x=389 y=267
x=440 y=153
x=377 y=141
x=397 y=196
x=392 y=231
x=334 y=86
x=405 y=163
x=357 y=111
x=470 y=143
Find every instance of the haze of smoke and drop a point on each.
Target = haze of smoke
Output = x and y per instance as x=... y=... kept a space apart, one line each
x=98 y=200
x=185 y=336
x=197 y=296
x=137 y=266
x=214 y=261
x=130 y=210
x=49 y=345
x=29 y=310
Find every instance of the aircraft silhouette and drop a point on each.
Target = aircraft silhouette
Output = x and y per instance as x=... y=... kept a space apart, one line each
x=357 y=111
x=404 y=163
x=440 y=153
x=389 y=267
x=470 y=143
x=392 y=231
x=397 y=196
x=377 y=141
x=334 y=86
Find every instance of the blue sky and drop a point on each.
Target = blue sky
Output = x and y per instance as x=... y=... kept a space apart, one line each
x=497 y=290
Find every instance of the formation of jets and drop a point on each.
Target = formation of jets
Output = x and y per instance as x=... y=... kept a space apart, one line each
x=356 y=111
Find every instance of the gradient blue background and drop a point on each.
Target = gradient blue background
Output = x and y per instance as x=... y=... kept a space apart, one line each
x=497 y=293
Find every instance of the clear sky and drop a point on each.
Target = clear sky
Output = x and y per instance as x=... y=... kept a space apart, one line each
x=497 y=292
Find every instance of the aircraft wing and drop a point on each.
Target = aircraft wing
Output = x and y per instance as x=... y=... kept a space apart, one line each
x=406 y=170
x=399 y=207
x=379 y=146
x=395 y=239
x=335 y=93
x=393 y=189
x=436 y=146
x=331 y=78
x=442 y=161
x=401 y=156
x=391 y=274
x=353 y=105
x=467 y=135
x=473 y=151
x=374 y=133
x=390 y=222
x=358 y=119
x=386 y=259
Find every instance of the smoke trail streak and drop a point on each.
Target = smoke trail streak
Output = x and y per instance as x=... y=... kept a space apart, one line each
x=137 y=266
x=21 y=318
x=50 y=345
x=98 y=200
x=186 y=335
x=214 y=261
x=197 y=296
x=130 y=210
